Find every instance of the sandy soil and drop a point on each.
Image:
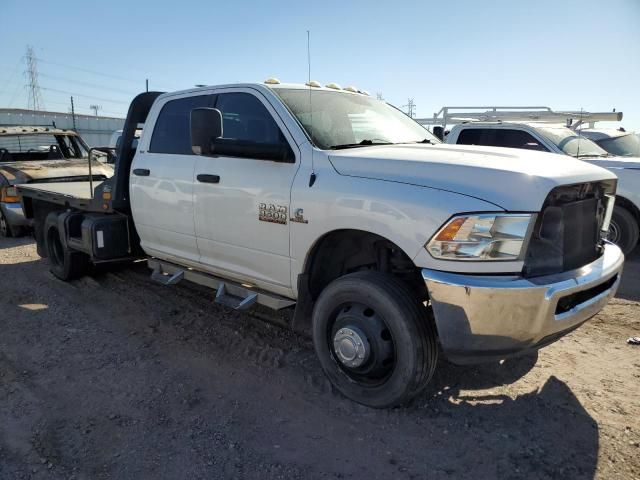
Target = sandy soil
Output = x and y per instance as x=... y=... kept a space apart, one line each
x=118 y=377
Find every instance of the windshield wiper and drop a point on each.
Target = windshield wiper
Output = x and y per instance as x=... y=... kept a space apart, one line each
x=364 y=143
x=426 y=140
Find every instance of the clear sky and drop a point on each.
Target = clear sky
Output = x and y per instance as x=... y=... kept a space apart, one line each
x=564 y=54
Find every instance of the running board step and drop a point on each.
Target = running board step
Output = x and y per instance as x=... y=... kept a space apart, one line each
x=228 y=293
x=234 y=301
x=166 y=278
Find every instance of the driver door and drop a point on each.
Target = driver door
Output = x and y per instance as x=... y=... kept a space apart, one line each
x=242 y=215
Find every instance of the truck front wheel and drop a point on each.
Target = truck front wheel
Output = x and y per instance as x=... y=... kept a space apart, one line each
x=374 y=339
x=65 y=263
x=623 y=230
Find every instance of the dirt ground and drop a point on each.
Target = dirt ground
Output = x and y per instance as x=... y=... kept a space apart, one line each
x=117 y=377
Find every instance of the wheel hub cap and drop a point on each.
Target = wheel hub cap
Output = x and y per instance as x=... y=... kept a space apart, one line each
x=351 y=346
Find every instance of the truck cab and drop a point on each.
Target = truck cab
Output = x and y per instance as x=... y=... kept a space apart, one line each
x=390 y=246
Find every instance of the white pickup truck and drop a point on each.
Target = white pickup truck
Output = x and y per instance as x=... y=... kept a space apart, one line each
x=389 y=245
x=625 y=222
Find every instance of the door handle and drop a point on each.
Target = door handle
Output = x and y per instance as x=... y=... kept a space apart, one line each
x=141 y=172
x=206 y=178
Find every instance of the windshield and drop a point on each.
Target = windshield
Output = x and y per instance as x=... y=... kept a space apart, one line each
x=345 y=120
x=572 y=144
x=624 y=146
x=40 y=146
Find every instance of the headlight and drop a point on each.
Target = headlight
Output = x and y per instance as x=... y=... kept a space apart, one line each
x=486 y=236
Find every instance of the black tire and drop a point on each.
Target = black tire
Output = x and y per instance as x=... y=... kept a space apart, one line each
x=8 y=231
x=624 y=229
x=5 y=228
x=64 y=263
x=409 y=328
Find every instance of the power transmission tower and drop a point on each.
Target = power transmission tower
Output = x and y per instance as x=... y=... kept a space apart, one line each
x=35 y=98
x=411 y=107
x=379 y=96
x=95 y=109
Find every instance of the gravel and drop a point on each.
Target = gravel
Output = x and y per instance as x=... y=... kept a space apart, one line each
x=115 y=376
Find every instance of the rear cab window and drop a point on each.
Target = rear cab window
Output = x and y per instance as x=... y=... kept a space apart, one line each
x=40 y=146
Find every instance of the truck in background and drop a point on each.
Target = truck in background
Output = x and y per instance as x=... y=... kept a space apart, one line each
x=542 y=129
x=389 y=245
x=37 y=154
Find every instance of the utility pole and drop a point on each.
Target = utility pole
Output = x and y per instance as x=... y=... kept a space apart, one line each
x=95 y=109
x=411 y=107
x=147 y=83
x=73 y=115
x=34 y=101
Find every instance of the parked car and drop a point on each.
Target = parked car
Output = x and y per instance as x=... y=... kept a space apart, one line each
x=37 y=155
x=386 y=242
x=625 y=221
x=616 y=141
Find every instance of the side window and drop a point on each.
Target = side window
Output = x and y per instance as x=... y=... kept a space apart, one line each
x=474 y=136
x=246 y=119
x=172 y=133
x=499 y=137
x=517 y=139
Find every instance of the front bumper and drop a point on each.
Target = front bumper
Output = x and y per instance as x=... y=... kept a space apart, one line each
x=482 y=318
x=14 y=214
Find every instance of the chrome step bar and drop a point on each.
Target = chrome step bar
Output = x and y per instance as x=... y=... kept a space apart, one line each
x=230 y=294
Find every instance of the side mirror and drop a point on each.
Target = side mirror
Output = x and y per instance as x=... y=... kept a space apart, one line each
x=206 y=126
x=438 y=131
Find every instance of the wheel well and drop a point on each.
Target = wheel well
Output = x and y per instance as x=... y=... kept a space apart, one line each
x=346 y=251
x=628 y=205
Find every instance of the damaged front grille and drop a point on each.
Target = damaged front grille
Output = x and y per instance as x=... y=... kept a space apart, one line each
x=568 y=232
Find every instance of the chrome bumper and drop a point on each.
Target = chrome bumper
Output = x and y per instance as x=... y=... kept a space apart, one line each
x=492 y=317
x=14 y=214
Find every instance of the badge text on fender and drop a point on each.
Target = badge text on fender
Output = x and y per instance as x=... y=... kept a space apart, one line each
x=268 y=212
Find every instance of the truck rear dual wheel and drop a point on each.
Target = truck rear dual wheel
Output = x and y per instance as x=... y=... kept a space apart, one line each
x=624 y=229
x=376 y=343
x=65 y=263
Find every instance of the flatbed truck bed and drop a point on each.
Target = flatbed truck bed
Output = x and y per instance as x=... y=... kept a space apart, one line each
x=70 y=194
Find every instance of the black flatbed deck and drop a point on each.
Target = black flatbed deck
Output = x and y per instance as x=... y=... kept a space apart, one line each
x=70 y=194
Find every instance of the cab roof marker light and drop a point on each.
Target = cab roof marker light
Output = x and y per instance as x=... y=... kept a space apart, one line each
x=351 y=89
x=334 y=86
x=313 y=83
x=364 y=92
x=272 y=81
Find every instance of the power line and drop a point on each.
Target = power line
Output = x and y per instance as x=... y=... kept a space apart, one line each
x=87 y=84
x=85 y=96
x=11 y=75
x=116 y=77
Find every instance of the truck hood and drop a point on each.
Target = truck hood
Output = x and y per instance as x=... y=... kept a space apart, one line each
x=515 y=180
x=615 y=162
x=35 y=170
